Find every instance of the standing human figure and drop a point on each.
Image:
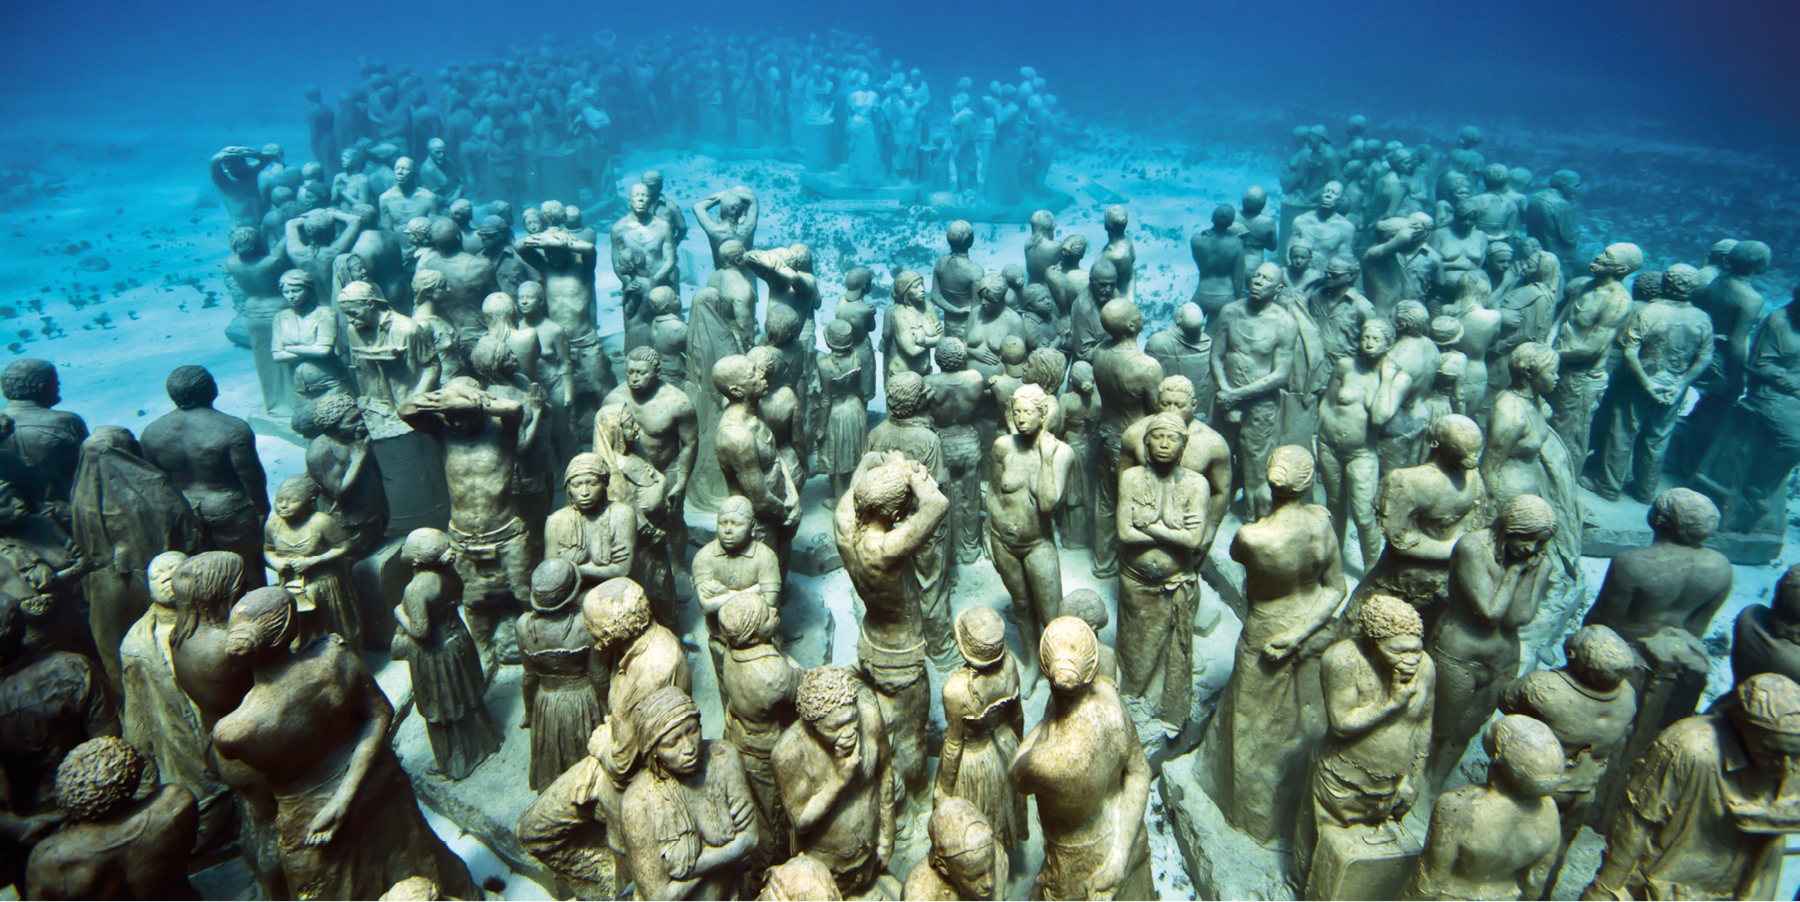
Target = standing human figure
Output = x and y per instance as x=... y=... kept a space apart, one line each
x=1030 y=471
x=211 y=457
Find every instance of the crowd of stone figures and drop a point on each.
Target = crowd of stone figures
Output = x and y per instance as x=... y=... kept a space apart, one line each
x=183 y=660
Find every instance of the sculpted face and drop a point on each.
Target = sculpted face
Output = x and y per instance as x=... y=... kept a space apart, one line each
x=359 y=311
x=1104 y=288
x=640 y=199
x=1027 y=418
x=1375 y=343
x=1165 y=445
x=1544 y=380
x=678 y=751
x=1520 y=547
x=1180 y=403
x=530 y=299
x=640 y=375
x=839 y=730
x=972 y=871
x=289 y=505
x=352 y=427
x=1402 y=655
x=1329 y=197
x=534 y=221
x=734 y=531
x=1300 y=256
x=405 y=172
x=439 y=154
x=1264 y=282
x=296 y=292
x=586 y=491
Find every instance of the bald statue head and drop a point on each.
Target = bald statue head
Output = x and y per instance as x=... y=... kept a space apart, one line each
x=1254 y=200
x=1683 y=516
x=1121 y=319
x=1190 y=319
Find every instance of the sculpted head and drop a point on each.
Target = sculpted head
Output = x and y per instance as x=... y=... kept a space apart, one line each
x=1299 y=254
x=1254 y=201
x=1767 y=716
x=1070 y=655
x=951 y=354
x=1103 y=281
x=616 y=613
x=653 y=181
x=209 y=582
x=1087 y=606
x=1043 y=223
x=1175 y=395
x=962 y=848
x=585 y=482
x=1684 y=516
x=405 y=172
x=554 y=213
x=362 y=305
x=1044 y=368
x=1291 y=472
x=1121 y=318
x=1074 y=248
x=668 y=724
x=1222 y=217
x=1456 y=440
x=1535 y=364
x=1617 y=261
x=260 y=623
x=297 y=289
x=1329 y=197
x=882 y=494
x=1784 y=609
x=1030 y=407
x=1599 y=657
x=1115 y=219
x=781 y=325
x=1518 y=177
x=1265 y=283
x=1466 y=211
x=1678 y=282
x=826 y=700
x=317 y=227
x=990 y=290
x=1747 y=259
x=960 y=235
x=97 y=778
x=1037 y=301
x=246 y=241
x=1165 y=438
x=1081 y=376
x=1526 y=755
x=1392 y=629
x=190 y=387
x=296 y=498
x=1525 y=524
x=909 y=288
x=1341 y=272
x=426 y=548
x=160 y=576
x=746 y=621
x=738 y=378
x=906 y=395
x=638 y=197
x=1566 y=181
x=736 y=520
x=446 y=238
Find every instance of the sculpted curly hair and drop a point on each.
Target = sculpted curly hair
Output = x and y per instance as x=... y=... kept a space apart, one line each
x=824 y=690
x=1384 y=617
x=616 y=611
x=97 y=777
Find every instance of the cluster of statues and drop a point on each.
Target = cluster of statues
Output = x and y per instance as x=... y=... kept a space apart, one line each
x=1393 y=343
x=554 y=119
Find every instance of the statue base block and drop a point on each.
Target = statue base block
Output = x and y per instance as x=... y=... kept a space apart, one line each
x=1610 y=527
x=412 y=475
x=1362 y=862
x=1749 y=549
x=274 y=426
x=380 y=579
x=975 y=209
x=1224 y=862
x=839 y=186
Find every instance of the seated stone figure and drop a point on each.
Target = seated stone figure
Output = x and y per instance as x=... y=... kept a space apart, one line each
x=965 y=862
x=114 y=846
x=1766 y=639
x=1496 y=841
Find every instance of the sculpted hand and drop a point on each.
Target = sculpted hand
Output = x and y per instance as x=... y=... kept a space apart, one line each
x=1278 y=648
x=325 y=824
x=710 y=588
x=1193 y=521
x=742 y=813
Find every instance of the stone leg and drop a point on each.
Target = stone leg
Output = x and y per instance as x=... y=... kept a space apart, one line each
x=932 y=569
x=270 y=375
x=1259 y=433
x=1351 y=478
x=495 y=579
x=962 y=455
x=1033 y=577
x=1572 y=406
x=1106 y=504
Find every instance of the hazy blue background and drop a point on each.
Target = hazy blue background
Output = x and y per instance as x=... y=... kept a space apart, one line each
x=1719 y=71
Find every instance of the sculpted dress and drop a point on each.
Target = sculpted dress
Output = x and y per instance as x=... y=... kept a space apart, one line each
x=987 y=708
x=448 y=691
x=709 y=340
x=846 y=415
x=559 y=654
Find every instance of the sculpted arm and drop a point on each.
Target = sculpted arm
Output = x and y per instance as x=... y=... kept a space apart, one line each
x=1766 y=360
x=1346 y=712
x=687 y=437
x=1128 y=816
x=910 y=534
x=1053 y=474
x=378 y=714
x=250 y=470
